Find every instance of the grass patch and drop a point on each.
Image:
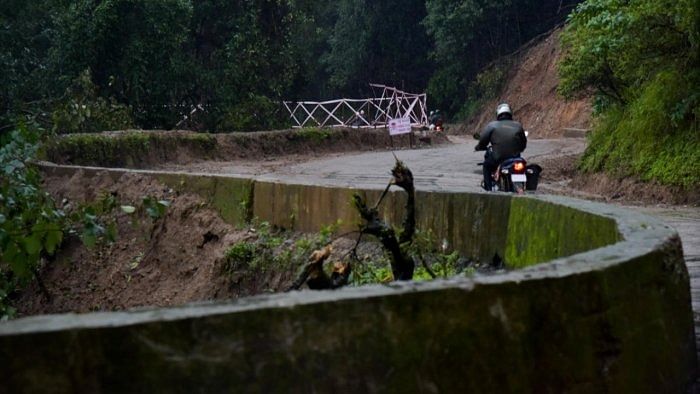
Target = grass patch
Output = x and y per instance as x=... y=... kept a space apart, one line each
x=652 y=137
x=128 y=149
x=314 y=134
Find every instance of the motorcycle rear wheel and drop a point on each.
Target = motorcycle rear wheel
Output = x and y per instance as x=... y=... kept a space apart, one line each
x=519 y=187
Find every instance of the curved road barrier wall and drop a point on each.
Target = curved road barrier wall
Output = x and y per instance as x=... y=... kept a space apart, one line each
x=609 y=312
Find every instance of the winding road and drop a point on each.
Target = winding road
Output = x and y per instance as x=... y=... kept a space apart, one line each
x=450 y=167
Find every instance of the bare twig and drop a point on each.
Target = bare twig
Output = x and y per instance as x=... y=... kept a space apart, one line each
x=401 y=265
x=42 y=287
x=425 y=265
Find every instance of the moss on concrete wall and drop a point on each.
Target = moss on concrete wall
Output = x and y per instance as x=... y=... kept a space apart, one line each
x=524 y=231
x=231 y=197
x=541 y=231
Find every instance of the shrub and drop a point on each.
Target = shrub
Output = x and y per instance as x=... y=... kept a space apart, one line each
x=82 y=110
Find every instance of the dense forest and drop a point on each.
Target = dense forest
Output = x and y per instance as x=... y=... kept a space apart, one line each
x=91 y=65
x=146 y=63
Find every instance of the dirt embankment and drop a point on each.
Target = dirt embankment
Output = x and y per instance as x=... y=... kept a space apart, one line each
x=172 y=259
x=169 y=260
x=561 y=176
x=531 y=92
x=179 y=256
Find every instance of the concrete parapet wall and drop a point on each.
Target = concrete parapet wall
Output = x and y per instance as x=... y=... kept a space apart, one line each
x=609 y=312
x=146 y=148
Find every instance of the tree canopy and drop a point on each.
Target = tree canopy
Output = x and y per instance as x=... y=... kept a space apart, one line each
x=159 y=59
x=641 y=59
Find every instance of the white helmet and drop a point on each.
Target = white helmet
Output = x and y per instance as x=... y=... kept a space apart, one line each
x=503 y=109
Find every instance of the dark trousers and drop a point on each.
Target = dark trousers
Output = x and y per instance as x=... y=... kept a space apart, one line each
x=490 y=165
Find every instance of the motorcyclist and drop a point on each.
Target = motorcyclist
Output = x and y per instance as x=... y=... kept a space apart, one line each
x=435 y=118
x=507 y=139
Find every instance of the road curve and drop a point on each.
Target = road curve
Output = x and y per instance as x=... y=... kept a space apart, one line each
x=446 y=168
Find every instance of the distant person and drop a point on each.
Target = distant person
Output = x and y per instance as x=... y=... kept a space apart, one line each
x=434 y=116
x=358 y=119
x=435 y=120
x=507 y=139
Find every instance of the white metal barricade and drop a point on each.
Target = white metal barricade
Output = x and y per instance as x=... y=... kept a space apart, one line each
x=360 y=113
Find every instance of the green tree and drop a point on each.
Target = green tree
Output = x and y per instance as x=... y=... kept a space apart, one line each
x=641 y=59
x=378 y=41
x=246 y=56
x=27 y=35
x=469 y=34
x=30 y=225
x=135 y=51
x=83 y=110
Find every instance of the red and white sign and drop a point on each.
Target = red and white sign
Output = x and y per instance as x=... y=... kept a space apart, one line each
x=399 y=126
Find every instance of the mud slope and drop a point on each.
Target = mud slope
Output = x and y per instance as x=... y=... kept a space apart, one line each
x=531 y=92
x=171 y=260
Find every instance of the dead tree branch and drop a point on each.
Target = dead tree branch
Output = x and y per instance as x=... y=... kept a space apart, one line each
x=316 y=278
x=402 y=266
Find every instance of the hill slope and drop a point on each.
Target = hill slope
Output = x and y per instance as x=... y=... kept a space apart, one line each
x=531 y=91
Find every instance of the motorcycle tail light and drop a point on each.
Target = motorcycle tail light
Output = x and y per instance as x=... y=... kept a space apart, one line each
x=519 y=167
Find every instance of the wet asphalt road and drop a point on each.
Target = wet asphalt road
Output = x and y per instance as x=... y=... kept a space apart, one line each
x=445 y=168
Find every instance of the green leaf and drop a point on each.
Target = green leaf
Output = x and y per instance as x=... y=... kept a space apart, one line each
x=53 y=240
x=32 y=244
x=153 y=212
x=111 y=232
x=89 y=239
x=19 y=261
x=128 y=209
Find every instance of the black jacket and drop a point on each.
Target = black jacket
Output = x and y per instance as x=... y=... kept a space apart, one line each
x=506 y=136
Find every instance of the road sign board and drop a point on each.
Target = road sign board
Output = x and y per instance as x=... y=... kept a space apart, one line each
x=399 y=126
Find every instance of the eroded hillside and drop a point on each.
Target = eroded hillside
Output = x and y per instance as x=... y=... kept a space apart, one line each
x=531 y=90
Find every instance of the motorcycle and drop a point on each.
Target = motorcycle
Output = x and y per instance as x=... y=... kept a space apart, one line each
x=514 y=175
x=437 y=126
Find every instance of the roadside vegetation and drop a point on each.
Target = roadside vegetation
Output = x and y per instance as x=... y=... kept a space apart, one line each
x=641 y=60
x=273 y=249
x=32 y=226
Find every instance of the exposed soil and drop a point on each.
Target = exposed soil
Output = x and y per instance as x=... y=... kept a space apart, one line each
x=166 y=261
x=171 y=260
x=561 y=176
x=632 y=190
x=531 y=93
